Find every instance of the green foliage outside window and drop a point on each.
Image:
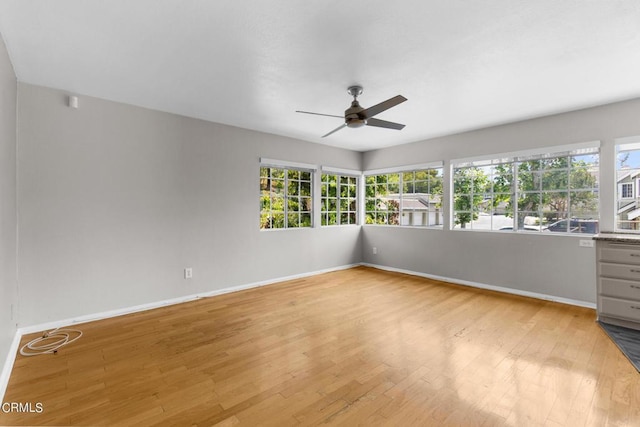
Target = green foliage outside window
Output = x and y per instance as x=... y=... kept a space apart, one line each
x=405 y=198
x=285 y=198
x=470 y=185
x=339 y=199
x=545 y=190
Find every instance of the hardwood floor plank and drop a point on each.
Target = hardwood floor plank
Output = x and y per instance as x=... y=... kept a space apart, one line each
x=353 y=347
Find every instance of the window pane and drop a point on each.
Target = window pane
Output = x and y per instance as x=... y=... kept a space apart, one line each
x=529 y=201
x=305 y=189
x=333 y=220
x=305 y=220
x=293 y=204
x=502 y=178
x=381 y=218
x=293 y=220
x=462 y=202
x=292 y=188
x=277 y=185
x=528 y=219
x=265 y=202
x=627 y=174
x=501 y=222
x=407 y=187
x=584 y=204
x=277 y=202
x=435 y=185
x=529 y=181
x=265 y=220
x=277 y=173
x=555 y=180
x=278 y=220
x=462 y=220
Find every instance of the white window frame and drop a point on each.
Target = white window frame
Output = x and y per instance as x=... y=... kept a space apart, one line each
x=340 y=173
x=400 y=170
x=631 y=143
x=288 y=166
x=515 y=158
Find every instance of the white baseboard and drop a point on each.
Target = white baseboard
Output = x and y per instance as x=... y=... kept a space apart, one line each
x=512 y=291
x=157 y=304
x=8 y=364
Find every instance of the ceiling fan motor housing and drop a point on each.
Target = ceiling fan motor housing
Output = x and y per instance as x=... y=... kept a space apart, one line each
x=352 y=116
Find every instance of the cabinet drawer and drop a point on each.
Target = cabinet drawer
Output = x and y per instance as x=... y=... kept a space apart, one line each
x=620 y=253
x=620 y=271
x=625 y=289
x=620 y=308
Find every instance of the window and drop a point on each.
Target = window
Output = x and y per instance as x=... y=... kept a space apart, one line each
x=286 y=199
x=410 y=198
x=626 y=190
x=627 y=178
x=382 y=199
x=339 y=199
x=556 y=192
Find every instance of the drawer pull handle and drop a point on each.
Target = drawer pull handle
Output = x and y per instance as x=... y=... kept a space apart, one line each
x=634 y=287
x=635 y=308
x=636 y=255
x=634 y=271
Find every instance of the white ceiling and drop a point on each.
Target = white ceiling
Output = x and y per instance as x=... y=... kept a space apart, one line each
x=462 y=64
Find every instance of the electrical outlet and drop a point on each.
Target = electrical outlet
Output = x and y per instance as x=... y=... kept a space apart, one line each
x=586 y=243
x=188 y=273
x=375 y=250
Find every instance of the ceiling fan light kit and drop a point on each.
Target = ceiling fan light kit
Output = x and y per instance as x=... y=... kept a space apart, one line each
x=356 y=116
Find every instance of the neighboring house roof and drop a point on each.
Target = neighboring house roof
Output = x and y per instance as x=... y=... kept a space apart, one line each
x=633 y=214
x=627 y=207
x=416 y=201
x=627 y=173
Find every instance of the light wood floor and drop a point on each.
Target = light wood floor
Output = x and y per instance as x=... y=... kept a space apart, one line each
x=359 y=346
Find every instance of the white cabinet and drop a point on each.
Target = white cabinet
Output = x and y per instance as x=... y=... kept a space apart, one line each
x=618 y=267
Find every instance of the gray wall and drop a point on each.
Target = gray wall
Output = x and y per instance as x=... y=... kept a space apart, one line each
x=116 y=200
x=550 y=264
x=8 y=221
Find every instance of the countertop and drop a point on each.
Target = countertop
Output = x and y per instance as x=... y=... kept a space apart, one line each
x=618 y=237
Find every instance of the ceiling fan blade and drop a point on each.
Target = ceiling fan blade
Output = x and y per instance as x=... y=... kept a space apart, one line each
x=384 y=124
x=335 y=130
x=319 y=114
x=384 y=105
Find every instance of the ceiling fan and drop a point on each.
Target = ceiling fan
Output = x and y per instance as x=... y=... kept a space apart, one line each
x=356 y=116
